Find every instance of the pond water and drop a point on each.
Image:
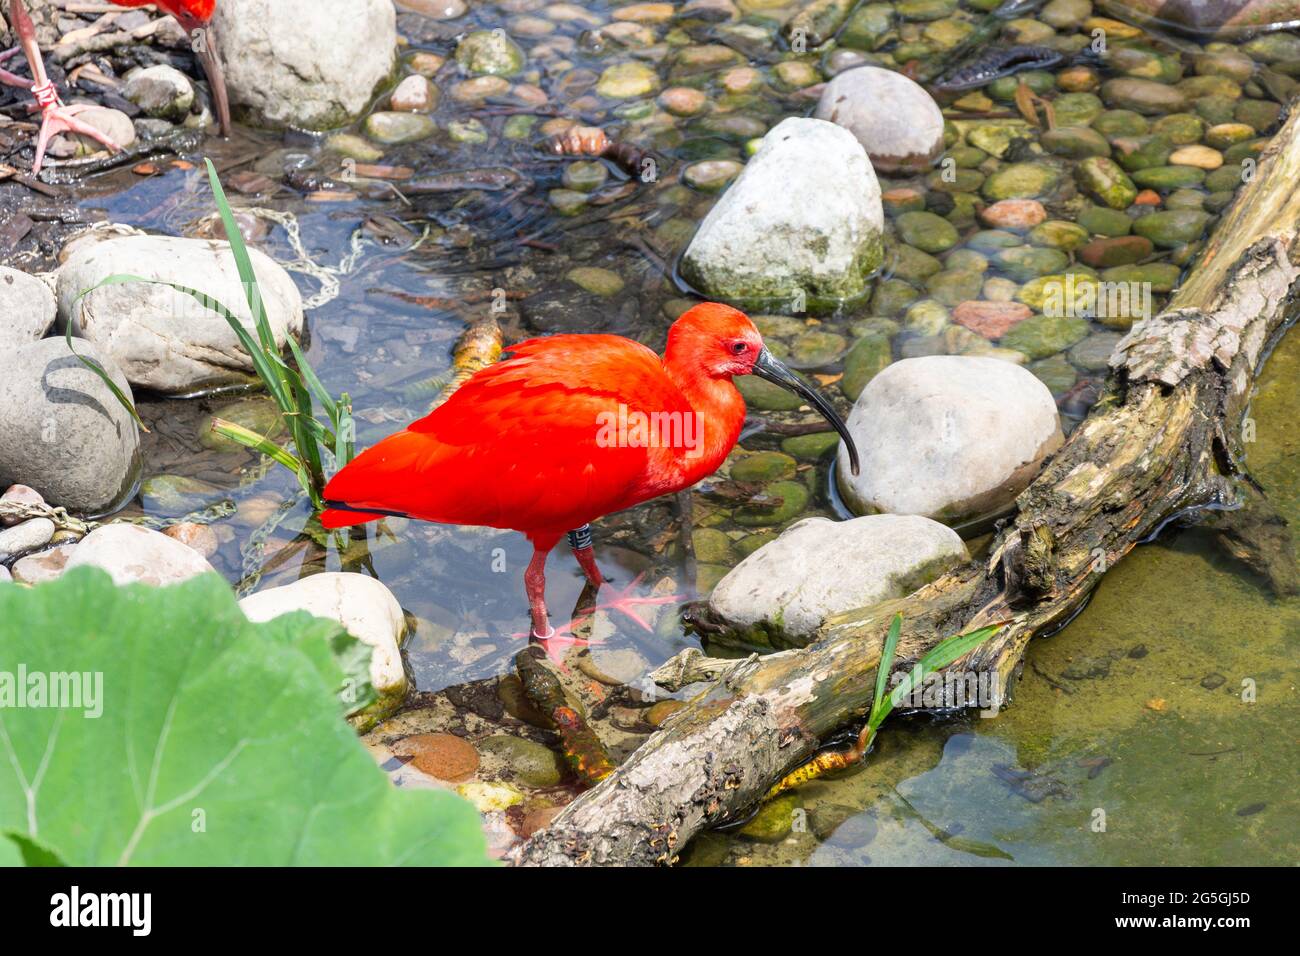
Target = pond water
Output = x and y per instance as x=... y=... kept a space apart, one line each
x=1128 y=740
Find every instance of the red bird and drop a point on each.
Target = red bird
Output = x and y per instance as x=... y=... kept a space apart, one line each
x=566 y=429
x=56 y=117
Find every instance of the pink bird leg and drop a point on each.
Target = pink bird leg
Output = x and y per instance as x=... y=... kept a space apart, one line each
x=56 y=117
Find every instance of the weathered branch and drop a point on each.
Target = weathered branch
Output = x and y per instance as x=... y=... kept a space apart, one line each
x=1161 y=443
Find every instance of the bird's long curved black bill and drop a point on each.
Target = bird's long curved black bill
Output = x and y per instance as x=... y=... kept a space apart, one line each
x=770 y=368
x=211 y=63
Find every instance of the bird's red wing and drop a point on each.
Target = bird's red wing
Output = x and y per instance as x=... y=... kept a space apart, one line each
x=529 y=443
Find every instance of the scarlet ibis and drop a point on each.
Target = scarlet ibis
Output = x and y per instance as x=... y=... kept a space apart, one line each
x=56 y=117
x=566 y=429
x=194 y=16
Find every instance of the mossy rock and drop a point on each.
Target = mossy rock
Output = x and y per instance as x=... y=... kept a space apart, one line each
x=766 y=396
x=775 y=818
x=869 y=356
x=765 y=510
x=1021 y=181
x=926 y=231
x=1042 y=335
x=812 y=447
x=533 y=763
x=763 y=467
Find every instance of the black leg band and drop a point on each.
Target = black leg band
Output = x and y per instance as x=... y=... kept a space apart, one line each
x=580 y=538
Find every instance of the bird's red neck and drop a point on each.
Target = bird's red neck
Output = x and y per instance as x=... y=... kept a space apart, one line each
x=715 y=399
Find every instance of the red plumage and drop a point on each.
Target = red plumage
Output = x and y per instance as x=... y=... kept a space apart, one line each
x=519 y=445
x=567 y=429
x=199 y=11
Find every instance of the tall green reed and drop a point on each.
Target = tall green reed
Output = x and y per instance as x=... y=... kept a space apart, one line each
x=294 y=388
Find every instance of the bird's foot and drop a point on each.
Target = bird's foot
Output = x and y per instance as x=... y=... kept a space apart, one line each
x=57 y=118
x=560 y=640
x=626 y=602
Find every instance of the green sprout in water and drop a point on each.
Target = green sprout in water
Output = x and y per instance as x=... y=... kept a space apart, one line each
x=936 y=659
x=295 y=389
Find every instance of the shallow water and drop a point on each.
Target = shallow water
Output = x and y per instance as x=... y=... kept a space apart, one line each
x=1205 y=778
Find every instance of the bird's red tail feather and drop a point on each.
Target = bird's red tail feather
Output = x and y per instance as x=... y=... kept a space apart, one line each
x=338 y=518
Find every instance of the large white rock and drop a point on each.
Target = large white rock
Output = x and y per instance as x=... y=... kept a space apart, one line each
x=803 y=219
x=162 y=338
x=366 y=609
x=305 y=63
x=135 y=555
x=955 y=438
x=62 y=431
x=782 y=593
x=895 y=119
x=26 y=308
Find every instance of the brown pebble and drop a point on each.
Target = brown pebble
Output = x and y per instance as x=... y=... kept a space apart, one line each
x=256 y=511
x=20 y=494
x=537 y=819
x=1078 y=79
x=990 y=319
x=1015 y=214
x=200 y=537
x=440 y=755
x=427 y=64
x=1158 y=704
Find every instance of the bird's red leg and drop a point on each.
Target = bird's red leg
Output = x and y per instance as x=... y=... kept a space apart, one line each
x=624 y=601
x=535 y=586
x=11 y=79
x=55 y=116
x=580 y=542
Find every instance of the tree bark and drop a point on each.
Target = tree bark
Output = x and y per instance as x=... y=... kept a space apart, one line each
x=1163 y=443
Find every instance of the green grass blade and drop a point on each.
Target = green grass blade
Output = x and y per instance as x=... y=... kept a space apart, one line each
x=251 y=439
x=887 y=660
x=243 y=262
x=99 y=370
x=345 y=430
x=938 y=657
x=313 y=383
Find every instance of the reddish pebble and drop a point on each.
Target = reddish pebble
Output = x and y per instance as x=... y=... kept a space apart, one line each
x=1117 y=251
x=145 y=169
x=990 y=319
x=903 y=199
x=1147 y=197
x=1013 y=214
x=200 y=537
x=20 y=494
x=1078 y=79
x=528 y=94
x=535 y=820
x=440 y=755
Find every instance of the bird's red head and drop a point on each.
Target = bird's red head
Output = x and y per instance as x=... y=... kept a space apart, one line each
x=721 y=340
x=717 y=341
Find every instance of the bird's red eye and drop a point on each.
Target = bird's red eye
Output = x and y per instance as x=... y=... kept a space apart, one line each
x=738 y=347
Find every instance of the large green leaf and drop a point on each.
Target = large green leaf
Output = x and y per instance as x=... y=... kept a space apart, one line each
x=220 y=742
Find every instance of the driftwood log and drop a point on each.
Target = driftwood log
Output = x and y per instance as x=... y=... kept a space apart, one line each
x=1164 y=443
